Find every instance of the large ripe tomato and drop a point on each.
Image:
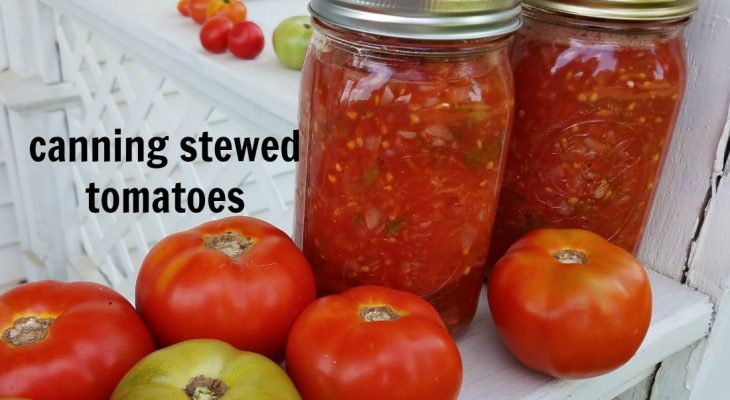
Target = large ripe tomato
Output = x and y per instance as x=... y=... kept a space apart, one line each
x=205 y=369
x=64 y=341
x=245 y=40
x=237 y=279
x=569 y=303
x=233 y=10
x=214 y=34
x=369 y=343
x=198 y=10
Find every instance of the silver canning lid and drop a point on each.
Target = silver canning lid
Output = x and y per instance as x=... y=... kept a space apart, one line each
x=622 y=10
x=422 y=19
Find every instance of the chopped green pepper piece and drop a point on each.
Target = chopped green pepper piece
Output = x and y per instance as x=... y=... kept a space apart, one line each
x=393 y=227
x=370 y=175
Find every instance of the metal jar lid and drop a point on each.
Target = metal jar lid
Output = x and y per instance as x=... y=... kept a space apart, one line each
x=422 y=19
x=622 y=10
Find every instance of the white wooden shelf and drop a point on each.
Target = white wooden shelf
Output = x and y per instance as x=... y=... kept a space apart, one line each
x=681 y=316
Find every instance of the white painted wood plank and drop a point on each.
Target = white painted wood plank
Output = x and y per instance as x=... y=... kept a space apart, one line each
x=16 y=19
x=709 y=266
x=32 y=95
x=6 y=197
x=11 y=267
x=640 y=391
x=4 y=62
x=685 y=180
x=8 y=226
x=712 y=375
x=709 y=271
x=260 y=91
x=6 y=146
x=681 y=317
x=48 y=64
x=676 y=378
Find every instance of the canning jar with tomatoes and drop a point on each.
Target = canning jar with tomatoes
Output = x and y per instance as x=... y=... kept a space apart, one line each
x=404 y=123
x=598 y=89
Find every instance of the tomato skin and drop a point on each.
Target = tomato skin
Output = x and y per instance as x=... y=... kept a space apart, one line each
x=187 y=291
x=182 y=8
x=233 y=10
x=571 y=321
x=214 y=34
x=198 y=10
x=95 y=338
x=162 y=374
x=246 y=40
x=333 y=353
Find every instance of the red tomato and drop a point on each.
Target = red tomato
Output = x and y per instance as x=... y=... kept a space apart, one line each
x=372 y=342
x=63 y=341
x=198 y=10
x=246 y=40
x=214 y=34
x=569 y=303
x=182 y=8
x=237 y=279
x=233 y=10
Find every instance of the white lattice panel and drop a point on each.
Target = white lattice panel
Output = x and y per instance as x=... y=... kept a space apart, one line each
x=117 y=92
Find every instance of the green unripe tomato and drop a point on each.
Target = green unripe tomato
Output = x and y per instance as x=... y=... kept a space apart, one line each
x=291 y=39
x=205 y=369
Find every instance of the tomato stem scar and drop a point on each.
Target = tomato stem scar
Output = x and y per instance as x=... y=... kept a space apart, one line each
x=570 y=256
x=232 y=244
x=27 y=330
x=376 y=314
x=202 y=387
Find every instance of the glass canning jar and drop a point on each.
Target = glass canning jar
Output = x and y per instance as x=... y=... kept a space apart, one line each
x=404 y=123
x=598 y=88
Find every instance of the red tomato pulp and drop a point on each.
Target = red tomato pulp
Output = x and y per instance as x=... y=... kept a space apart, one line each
x=595 y=114
x=401 y=167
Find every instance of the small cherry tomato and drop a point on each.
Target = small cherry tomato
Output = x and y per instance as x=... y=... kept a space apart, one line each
x=246 y=40
x=214 y=34
x=233 y=10
x=182 y=8
x=237 y=279
x=198 y=10
x=569 y=303
x=291 y=39
x=372 y=342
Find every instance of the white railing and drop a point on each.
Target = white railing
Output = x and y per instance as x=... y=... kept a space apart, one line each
x=88 y=67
